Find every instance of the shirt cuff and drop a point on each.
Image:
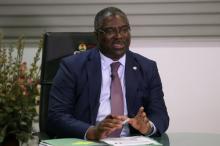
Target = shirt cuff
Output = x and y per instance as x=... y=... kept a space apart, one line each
x=153 y=129
x=87 y=132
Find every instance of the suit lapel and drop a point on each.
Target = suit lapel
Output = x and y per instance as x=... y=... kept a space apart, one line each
x=131 y=82
x=94 y=80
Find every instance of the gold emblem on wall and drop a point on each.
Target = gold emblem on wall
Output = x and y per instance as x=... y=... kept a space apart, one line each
x=82 y=47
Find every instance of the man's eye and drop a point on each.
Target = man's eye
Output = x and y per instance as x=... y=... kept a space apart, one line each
x=109 y=31
x=124 y=30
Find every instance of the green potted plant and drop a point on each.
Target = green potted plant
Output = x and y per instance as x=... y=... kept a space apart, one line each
x=19 y=89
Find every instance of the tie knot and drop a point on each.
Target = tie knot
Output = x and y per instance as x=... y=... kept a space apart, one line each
x=115 y=66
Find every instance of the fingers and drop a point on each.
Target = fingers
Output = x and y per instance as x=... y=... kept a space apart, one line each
x=140 y=121
x=109 y=125
x=141 y=112
x=141 y=109
x=141 y=115
x=116 y=118
x=111 y=122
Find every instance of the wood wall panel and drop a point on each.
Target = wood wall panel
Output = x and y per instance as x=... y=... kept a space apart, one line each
x=148 y=18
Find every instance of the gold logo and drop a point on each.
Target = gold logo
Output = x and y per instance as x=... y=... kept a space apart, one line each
x=82 y=47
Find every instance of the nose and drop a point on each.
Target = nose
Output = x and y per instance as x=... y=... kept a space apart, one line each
x=118 y=33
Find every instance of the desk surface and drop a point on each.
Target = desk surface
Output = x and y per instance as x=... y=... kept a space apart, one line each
x=189 y=139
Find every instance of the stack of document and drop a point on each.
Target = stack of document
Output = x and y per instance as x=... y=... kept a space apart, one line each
x=122 y=141
x=69 y=142
x=131 y=141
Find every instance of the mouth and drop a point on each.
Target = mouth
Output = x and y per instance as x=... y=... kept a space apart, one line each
x=118 y=45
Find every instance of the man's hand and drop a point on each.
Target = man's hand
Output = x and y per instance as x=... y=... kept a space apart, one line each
x=141 y=122
x=105 y=127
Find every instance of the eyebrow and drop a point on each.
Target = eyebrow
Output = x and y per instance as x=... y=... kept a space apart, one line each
x=116 y=27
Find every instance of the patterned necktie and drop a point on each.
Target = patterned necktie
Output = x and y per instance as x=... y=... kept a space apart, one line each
x=117 y=104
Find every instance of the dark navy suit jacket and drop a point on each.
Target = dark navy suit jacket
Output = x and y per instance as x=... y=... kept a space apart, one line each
x=74 y=97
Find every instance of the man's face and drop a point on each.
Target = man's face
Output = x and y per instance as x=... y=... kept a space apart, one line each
x=114 y=36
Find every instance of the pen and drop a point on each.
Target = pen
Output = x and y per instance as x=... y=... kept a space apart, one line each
x=125 y=121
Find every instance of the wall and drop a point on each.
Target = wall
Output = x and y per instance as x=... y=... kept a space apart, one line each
x=181 y=35
x=190 y=75
x=148 y=18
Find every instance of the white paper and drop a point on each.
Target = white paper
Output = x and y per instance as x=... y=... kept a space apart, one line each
x=130 y=141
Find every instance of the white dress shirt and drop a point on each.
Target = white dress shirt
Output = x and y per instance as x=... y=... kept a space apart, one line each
x=105 y=103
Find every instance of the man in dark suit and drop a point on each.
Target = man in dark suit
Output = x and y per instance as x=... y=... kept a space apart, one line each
x=81 y=99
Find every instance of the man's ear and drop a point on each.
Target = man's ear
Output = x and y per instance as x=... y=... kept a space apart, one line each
x=96 y=35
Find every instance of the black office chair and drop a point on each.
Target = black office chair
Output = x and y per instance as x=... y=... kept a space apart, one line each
x=56 y=46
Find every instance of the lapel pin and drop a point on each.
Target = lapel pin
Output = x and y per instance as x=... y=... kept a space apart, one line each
x=134 y=67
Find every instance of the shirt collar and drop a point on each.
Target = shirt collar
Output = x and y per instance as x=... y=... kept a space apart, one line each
x=105 y=61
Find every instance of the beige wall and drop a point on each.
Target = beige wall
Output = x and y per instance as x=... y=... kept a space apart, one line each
x=190 y=72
